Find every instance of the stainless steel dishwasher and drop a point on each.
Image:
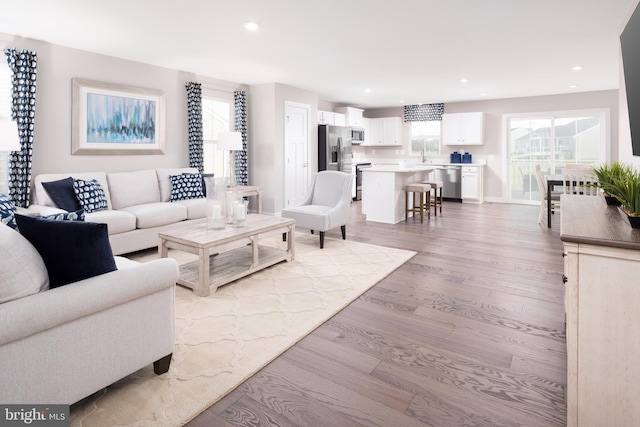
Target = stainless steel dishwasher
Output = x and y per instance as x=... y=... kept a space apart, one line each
x=451 y=177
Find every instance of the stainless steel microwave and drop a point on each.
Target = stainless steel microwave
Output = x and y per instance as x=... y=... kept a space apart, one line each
x=357 y=135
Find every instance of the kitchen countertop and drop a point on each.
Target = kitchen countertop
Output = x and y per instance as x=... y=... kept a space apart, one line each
x=402 y=169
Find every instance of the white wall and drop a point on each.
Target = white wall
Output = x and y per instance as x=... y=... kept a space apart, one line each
x=266 y=129
x=57 y=65
x=493 y=149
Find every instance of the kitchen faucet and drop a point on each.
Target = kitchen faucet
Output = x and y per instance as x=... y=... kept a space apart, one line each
x=422 y=155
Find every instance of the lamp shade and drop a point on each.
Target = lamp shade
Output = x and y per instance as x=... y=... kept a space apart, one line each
x=230 y=141
x=9 y=138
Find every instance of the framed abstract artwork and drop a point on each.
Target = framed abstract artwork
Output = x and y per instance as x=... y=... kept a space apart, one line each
x=116 y=119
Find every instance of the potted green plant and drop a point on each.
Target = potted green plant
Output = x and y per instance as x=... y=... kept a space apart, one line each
x=607 y=174
x=626 y=188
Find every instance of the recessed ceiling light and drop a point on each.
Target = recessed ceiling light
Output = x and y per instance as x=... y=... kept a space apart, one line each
x=402 y=101
x=573 y=86
x=251 y=26
x=577 y=68
x=367 y=90
x=463 y=80
x=483 y=94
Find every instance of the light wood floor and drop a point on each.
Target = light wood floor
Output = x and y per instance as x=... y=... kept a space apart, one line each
x=470 y=332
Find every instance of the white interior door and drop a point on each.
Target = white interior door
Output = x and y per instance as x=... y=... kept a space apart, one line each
x=297 y=139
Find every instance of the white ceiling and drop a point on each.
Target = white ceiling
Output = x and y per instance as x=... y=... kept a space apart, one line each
x=404 y=51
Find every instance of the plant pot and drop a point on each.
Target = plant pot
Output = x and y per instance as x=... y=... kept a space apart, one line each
x=612 y=201
x=632 y=220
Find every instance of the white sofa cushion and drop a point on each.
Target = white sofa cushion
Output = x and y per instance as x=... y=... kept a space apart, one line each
x=165 y=183
x=133 y=188
x=156 y=214
x=196 y=208
x=42 y=198
x=22 y=270
x=117 y=221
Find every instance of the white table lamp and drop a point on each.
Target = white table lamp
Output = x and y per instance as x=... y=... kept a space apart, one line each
x=230 y=141
x=9 y=138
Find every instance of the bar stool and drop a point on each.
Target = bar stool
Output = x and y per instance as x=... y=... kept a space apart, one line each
x=436 y=186
x=422 y=206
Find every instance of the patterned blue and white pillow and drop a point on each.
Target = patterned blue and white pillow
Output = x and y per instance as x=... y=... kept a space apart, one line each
x=90 y=195
x=67 y=216
x=7 y=211
x=186 y=186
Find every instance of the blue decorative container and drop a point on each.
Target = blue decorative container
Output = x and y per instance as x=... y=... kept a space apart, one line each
x=456 y=157
x=466 y=158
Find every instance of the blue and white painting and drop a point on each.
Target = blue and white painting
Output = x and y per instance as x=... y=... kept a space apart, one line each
x=115 y=119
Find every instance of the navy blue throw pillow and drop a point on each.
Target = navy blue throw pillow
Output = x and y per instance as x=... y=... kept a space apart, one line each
x=71 y=250
x=62 y=194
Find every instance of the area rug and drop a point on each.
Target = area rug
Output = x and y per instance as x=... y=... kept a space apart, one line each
x=223 y=339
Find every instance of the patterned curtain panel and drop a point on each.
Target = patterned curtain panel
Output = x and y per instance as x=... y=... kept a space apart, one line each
x=194 y=117
x=240 y=98
x=23 y=108
x=423 y=113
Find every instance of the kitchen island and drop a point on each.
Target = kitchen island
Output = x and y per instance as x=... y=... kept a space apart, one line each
x=383 y=190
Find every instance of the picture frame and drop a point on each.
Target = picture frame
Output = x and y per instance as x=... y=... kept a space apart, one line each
x=114 y=119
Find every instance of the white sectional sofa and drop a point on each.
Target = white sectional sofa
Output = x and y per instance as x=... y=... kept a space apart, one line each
x=62 y=344
x=139 y=205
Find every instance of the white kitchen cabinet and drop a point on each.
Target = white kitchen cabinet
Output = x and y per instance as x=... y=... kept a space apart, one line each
x=326 y=117
x=385 y=131
x=472 y=184
x=463 y=129
x=354 y=116
x=602 y=296
x=339 y=119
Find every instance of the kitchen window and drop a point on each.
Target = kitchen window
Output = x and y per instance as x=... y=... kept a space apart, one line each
x=553 y=140
x=425 y=137
x=216 y=115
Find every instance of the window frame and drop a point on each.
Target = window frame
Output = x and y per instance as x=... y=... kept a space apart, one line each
x=426 y=136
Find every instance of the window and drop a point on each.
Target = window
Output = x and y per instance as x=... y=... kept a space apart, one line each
x=216 y=116
x=553 y=141
x=425 y=136
x=5 y=113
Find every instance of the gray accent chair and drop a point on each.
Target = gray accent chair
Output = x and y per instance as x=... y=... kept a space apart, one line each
x=326 y=206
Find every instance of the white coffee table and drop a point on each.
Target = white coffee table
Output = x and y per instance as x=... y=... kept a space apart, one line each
x=228 y=254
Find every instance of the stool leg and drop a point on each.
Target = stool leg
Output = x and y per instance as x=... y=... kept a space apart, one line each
x=406 y=206
x=421 y=208
x=428 y=205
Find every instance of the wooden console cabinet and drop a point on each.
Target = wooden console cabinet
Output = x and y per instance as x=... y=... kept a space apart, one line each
x=602 y=302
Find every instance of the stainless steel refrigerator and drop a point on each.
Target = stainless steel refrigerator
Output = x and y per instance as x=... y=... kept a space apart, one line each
x=334 y=148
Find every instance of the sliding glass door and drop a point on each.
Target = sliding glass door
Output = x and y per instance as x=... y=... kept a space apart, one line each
x=552 y=141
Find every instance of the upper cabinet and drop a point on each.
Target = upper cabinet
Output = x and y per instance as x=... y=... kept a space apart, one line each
x=325 y=117
x=331 y=118
x=463 y=129
x=384 y=131
x=354 y=116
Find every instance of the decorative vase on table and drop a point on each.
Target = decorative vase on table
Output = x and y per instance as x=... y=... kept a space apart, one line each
x=216 y=189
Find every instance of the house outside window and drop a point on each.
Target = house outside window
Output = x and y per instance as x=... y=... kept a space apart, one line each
x=5 y=114
x=553 y=140
x=216 y=118
x=425 y=137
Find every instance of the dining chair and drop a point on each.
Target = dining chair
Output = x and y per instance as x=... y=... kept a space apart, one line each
x=555 y=197
x=581 y=181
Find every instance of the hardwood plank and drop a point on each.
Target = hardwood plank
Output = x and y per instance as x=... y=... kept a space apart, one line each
x=470 y=332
